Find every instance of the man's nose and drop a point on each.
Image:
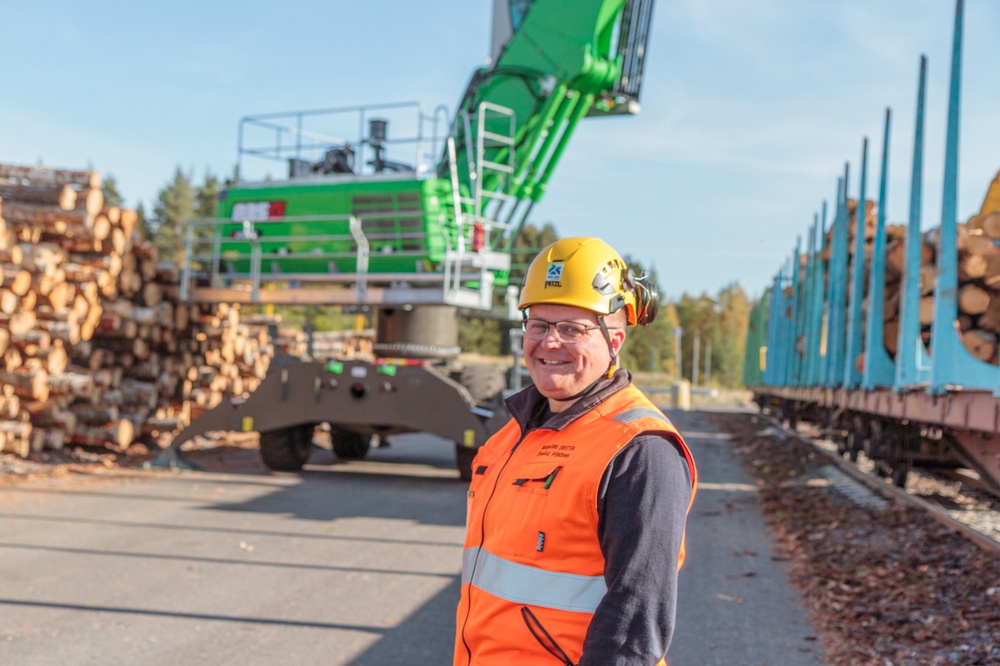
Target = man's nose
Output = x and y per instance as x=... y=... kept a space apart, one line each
x=552 y=334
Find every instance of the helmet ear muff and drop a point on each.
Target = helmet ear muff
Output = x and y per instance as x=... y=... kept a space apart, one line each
x=628 y=279
x=647 y=300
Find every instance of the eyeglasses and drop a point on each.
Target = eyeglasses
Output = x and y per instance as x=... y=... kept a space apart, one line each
x=567 y=331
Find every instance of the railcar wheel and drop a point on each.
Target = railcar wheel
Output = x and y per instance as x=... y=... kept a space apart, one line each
x=349 y=445
x=288 y=449
x=778 y=411
x=783 y=412
x=793 y=418
x=823 y=419
x=901 y=470
x=847 y=444
x=874 y=444
x=857 y=432
x=903 y=440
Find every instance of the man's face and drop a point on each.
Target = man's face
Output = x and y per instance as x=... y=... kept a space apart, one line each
x=559 y=368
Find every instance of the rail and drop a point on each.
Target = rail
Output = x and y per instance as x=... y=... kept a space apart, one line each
x=892 y=493
x=227 y=254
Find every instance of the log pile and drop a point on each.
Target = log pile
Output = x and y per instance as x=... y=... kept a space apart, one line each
x=327 y=345
x=978 y=321
x=978 y=245
x=95 y=347
x=893 y=232
x=220 y=354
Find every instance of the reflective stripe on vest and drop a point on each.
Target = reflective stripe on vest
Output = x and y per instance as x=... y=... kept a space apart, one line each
x=519 y=583
x=637 y=413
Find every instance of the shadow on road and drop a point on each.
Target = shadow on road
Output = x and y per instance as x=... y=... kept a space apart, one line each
x=425 y=637
x=327 y=496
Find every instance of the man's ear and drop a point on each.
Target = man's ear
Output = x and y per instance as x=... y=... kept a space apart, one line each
x=617 y=340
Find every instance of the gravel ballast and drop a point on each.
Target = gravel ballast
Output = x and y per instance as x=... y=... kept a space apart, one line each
x=883 y=583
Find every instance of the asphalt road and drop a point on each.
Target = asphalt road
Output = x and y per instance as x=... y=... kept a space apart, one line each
x=735 y=607
x=352 y=563
x=347 y=563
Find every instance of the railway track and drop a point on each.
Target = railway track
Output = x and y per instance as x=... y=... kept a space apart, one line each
x=887 y=577
x=956 y=500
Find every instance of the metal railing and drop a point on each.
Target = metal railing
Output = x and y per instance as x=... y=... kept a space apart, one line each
x=221 y=253
x=302 y=139
x=211 y=257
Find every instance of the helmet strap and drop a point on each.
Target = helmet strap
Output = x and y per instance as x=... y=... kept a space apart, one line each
x=611 y=348
x=581 y=393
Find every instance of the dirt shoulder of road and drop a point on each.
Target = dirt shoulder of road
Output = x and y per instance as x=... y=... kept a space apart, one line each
x=235 y=454
x=883 y=585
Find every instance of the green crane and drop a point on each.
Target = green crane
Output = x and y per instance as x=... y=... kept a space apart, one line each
x=412 y=237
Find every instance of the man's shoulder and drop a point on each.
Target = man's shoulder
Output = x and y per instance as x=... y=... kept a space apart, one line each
x=654 y=453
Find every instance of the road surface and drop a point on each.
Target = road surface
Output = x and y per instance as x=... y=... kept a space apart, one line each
x=353 y=563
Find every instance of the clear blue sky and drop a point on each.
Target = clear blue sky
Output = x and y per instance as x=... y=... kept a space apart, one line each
x=749 y=109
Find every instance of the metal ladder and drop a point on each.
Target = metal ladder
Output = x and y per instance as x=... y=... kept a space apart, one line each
x=475 y=230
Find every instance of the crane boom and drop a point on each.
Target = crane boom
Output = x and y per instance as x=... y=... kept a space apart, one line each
x=551 y=67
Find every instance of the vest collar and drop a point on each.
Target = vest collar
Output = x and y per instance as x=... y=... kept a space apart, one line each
x=529 y=404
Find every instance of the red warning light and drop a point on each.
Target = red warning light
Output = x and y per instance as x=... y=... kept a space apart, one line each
x=476 y=241
x=276 y=209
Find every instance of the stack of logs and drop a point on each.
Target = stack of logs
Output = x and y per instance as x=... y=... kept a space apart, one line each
x=978 y=244
x=96 y=348
x=978 y=286
x=325 y=346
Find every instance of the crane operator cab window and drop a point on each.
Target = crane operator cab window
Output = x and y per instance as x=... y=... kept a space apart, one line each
x=508 y=15
x=518 y=10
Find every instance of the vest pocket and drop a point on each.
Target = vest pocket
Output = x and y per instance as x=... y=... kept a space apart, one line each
x=539 y=483
x=543 y=637
x=524 y=535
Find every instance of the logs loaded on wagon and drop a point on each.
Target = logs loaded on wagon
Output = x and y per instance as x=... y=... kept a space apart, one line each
x=95 y=347
x=978 y=244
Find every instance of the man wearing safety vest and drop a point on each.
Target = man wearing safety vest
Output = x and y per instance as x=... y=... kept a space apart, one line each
x=577 y=507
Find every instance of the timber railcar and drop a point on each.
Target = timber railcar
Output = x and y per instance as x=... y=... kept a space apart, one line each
x=874 y=351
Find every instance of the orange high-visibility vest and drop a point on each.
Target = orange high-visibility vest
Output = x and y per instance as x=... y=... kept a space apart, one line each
x=532 y=564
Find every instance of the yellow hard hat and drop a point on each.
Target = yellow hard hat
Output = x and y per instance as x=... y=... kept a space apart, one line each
x=588 y=273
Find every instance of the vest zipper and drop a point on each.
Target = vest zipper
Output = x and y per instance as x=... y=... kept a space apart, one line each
x=545 y=640
x=482 y=537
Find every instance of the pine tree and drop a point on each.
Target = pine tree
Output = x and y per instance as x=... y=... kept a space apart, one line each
x=527 y=245
x=141 y=221
x=112 y=197
x=207 y=197
x=698 y=319
x=174 y=204
x=667 y=319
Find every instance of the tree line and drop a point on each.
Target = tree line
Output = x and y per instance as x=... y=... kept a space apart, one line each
x=710 y=329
